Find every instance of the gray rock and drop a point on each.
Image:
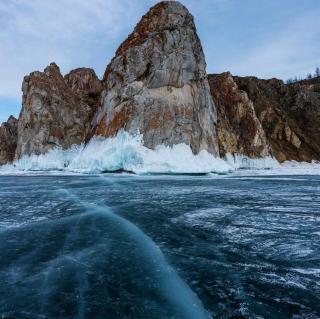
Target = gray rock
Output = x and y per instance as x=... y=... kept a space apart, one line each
x=56 y=111
x=157 y=84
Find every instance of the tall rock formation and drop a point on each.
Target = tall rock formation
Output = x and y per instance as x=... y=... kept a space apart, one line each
x=157 y=84
x=56 y=111
x=239 y=131
x=289 y=114
x=8 y=140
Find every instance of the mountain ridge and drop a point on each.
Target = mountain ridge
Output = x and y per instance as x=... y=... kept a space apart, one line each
x=157 y=84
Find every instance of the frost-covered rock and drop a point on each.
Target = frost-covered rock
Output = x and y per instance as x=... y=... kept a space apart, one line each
x=157 y=84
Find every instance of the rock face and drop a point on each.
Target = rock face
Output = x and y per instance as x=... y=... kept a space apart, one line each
x=289 y=114
x=86 y=85
x=157 y=84
x=8 y=140
x=239 y=131
x=56 y=111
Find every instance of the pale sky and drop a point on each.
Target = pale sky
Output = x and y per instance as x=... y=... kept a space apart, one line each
x=264 y=38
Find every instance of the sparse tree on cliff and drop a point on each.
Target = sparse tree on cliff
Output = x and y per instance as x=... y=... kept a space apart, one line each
x=317 y=73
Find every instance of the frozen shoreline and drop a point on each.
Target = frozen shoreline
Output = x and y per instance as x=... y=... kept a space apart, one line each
x=126 y=153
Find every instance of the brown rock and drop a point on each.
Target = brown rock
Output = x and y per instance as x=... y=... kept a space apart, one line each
x=86 y=85
x=238 y=130
x=8 y=140
x=56 y=111
x=289 y=114
x=157 y=83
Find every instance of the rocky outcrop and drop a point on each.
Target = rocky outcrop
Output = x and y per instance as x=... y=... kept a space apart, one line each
x=258 y=117
x=289 y=114
x=8 y=140
x=157 y=84
x=56 y=111
x=85 y=84
x=239 y=131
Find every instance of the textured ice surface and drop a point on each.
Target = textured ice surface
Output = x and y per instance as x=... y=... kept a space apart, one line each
x=126 y=152
x=82 y=246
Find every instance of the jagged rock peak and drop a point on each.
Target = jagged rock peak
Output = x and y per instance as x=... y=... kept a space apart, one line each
x=82 y=79
x=166 y=15
x=8 y=140
x=52 y=70
x=53 y=113
x=85 y=83
x=157 y=83
x=12 y=121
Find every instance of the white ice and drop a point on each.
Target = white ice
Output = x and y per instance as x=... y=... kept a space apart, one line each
x=127 y=152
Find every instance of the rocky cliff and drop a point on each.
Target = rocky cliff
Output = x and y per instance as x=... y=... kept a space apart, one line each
x=239 y=131
x=56 y=110
x=157 y=84
x=260 y=117
x=289 y=114
x=8 y=140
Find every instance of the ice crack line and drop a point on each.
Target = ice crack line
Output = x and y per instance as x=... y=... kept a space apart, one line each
x=176 y=293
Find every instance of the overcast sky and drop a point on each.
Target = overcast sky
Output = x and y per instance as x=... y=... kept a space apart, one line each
x=265 y=38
